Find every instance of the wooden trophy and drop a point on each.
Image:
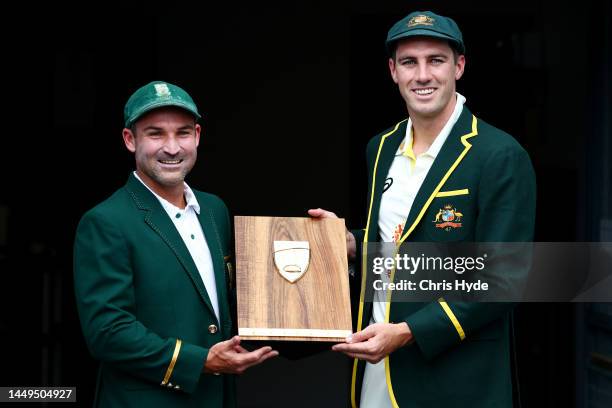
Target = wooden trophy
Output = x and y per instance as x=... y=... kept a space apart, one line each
x=292 y=279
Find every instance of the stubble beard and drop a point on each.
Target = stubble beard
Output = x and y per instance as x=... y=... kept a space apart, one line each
x=167 y=178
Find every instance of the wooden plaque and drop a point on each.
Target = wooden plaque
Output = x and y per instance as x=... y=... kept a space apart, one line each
x=271 y=252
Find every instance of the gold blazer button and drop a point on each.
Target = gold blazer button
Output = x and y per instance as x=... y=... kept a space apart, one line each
x=212 y=329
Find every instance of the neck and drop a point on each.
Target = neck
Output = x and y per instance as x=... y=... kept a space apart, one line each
x=425 y=129
x=175 y=194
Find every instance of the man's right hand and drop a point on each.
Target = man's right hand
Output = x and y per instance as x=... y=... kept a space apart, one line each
x=351 y=245
x=229 y=357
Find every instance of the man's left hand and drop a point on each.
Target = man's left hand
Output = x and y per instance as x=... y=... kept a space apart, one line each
x=376 y=341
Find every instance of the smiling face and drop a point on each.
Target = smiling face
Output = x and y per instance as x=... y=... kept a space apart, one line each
x=165 y=144
x=425 y=71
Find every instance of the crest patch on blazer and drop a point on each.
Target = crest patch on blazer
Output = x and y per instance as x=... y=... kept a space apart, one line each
x=448 y=218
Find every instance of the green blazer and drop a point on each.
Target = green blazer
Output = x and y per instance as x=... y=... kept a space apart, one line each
x=461 y=354
x=143 y=307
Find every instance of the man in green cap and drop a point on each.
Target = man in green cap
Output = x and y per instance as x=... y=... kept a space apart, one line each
x=152 y=271
x=440 y=163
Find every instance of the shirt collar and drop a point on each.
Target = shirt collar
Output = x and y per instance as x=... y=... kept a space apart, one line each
x=438 y=142
x=190 y=199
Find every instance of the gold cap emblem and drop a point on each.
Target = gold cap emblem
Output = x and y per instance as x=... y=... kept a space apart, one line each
x=421 y=19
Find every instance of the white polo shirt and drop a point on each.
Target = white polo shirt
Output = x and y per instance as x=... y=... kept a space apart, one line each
x=188 y=226
x=404 y=180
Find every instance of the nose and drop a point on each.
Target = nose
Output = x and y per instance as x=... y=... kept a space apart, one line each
x=423 y=74
x=172 y=147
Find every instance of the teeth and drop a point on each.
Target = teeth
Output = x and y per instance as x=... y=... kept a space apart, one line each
x=170 y=161
x=424 y=91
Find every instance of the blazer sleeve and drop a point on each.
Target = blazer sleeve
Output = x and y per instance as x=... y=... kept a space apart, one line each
x=506 y=206
x=103 y=282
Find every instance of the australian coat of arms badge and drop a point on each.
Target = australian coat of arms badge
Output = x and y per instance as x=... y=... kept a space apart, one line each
x=448 y=218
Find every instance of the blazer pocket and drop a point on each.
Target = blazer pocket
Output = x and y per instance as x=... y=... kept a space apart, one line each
x=451 y=193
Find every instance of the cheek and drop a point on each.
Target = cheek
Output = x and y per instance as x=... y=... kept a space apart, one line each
x=190 y=146
x=405 y=77
x=447 y=76
x=144 y=152
x=139 y=155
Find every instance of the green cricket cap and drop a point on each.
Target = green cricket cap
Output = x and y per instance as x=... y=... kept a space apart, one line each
x=157 y=94
x=426 y=24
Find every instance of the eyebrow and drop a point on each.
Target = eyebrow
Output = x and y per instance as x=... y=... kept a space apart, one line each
x=156 y=128
x=405 y=57
x=151 y=128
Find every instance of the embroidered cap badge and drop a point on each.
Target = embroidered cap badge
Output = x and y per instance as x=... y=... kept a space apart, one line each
x=421 y=19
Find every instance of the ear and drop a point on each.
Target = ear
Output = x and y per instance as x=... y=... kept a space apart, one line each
x=129 y=139
x=392 y=69
x=459 y=67
x=198 y=130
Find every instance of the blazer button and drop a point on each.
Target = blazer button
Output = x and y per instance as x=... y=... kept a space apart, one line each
x=212 y=329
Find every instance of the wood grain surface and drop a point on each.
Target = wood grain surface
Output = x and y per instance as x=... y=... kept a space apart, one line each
x=314 y=308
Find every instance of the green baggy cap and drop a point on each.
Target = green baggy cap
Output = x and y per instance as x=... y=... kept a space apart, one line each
x=426 y=24
x=157 y=94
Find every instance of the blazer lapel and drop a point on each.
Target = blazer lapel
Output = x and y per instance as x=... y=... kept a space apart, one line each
x=452 y=153
x=389 y=143
x=384 y=155
x=211 y=233
x=157 y=218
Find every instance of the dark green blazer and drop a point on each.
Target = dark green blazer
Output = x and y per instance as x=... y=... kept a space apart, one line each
x=143 y=307
x=461 y=354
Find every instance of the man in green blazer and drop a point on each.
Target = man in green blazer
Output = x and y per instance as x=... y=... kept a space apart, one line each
x=442 y=175
x=152 y=272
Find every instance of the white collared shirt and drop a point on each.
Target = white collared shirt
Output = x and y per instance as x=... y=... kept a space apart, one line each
x=188 y=226
x=405 y=177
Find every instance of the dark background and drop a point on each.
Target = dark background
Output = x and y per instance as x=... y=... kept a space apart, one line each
x=290 y=95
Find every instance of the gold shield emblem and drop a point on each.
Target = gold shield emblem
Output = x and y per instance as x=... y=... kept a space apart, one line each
x=291 y=259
